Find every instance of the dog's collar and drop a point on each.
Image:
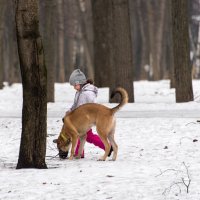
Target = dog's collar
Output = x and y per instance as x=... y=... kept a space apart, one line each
x=63 y=137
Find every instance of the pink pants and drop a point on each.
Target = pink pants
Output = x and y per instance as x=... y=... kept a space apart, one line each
x=93 y=139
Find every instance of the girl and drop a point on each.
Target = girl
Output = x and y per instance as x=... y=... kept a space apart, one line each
x=86 y=93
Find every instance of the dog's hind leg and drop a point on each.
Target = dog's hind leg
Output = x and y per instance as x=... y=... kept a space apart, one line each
x=112 y=142
x=114 y=145
x=106 y=144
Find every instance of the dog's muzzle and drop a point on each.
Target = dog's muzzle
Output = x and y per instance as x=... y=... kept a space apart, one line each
x=63 y=154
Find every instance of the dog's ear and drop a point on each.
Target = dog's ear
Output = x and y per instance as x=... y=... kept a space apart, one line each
x=55 y=141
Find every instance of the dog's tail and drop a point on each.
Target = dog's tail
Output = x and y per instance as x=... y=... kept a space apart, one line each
x=124 y=98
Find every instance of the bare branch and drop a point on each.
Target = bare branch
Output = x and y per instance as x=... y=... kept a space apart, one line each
x=181 y=182
x=162 y=172
x=170 y=187
x=187 y=185
x=190 y=123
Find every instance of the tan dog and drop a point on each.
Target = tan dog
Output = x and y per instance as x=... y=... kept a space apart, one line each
x=79 y=121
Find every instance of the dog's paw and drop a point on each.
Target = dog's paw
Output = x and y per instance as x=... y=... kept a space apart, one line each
x=101 y=159
x=77 y=157
x=71 y=158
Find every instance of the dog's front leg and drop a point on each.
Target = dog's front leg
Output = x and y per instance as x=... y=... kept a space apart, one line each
x=74 y=141
x=81 y=147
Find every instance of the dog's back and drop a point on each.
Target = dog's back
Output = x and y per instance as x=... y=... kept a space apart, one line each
x=94 y=107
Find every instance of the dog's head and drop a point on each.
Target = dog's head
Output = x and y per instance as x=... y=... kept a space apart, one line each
x=63 y=142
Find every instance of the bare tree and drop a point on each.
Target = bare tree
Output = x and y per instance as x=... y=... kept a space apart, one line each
x=156 y=14
x=49 y=46
x=71 y=24
x=14 y=71
x=86 y=36
x=112 y=45
x=181 y=50
x=102 y=49
x=170 y=50
x=121 y=53
x=140 y=38
x=34 y=81
x=61 y=27
x=2 y=9
x=11 y=72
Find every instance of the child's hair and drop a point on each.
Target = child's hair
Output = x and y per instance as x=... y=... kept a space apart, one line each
x=90 y=81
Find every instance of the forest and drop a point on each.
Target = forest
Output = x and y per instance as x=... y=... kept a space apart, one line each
x=97 y=37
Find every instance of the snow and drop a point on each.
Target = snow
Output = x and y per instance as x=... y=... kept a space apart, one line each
x=158 y=150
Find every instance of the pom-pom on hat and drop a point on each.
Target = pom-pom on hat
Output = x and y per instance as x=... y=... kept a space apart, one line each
x=77 y=77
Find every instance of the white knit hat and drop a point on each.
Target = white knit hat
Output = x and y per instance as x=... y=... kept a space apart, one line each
x=77 y=77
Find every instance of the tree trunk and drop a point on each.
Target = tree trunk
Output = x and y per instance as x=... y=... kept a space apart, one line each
x=166 y=61
x=143 y=23
x=182 y=65
x=61 y=65
x=2 y=10
x=71 y=24
x=136 y=36
x=86 y=27
x=49 y=44
x=101 y=11
x=14 y=71
x=170 y=54
x=121 y=51
x=113 y=51
x=34 y=81
x=156 y=13
x=6 y=42
x=140 y=38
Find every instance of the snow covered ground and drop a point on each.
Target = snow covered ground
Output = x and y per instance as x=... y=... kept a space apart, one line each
x=158 y=150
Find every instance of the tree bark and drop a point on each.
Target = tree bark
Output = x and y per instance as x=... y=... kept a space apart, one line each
x=182 y=65
x=156 y=13
x=170 y=54
x=101 y=11
x=34 y=81
x=2 y=10
x=86 y=27
x=140 y=38
x=14 y=71
x=121 y=51
x=70 y=35
x=61 y=65
x=49 y=47
x=112 y=45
